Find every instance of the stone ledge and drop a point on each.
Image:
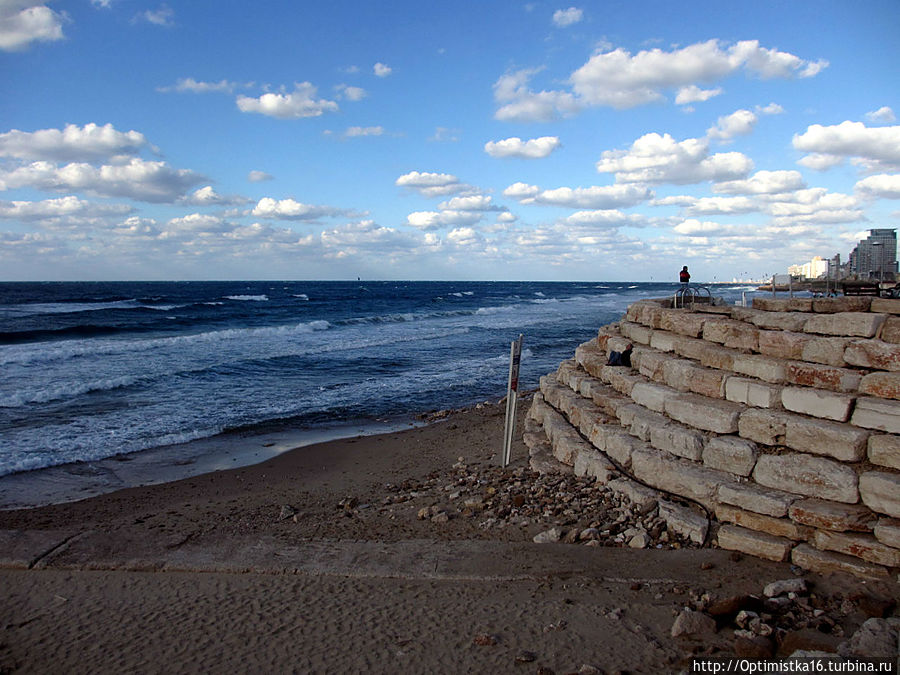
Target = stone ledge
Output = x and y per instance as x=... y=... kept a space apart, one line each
x=857 y=545
x=807 y=475
x=825 y=562
x=753 y=497
x=777 y=527
x=825 y=515
x=759 y=544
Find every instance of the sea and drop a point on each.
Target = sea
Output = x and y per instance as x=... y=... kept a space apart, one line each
x=92 y=372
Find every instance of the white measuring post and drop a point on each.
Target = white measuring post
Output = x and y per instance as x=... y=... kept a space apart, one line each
x=512 y=393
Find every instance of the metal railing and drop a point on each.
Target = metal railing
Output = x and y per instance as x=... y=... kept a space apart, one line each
x=692 y=293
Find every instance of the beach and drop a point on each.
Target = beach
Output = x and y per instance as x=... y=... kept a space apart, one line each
x=361 y=555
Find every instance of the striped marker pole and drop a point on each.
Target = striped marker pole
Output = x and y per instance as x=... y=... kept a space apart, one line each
x=512 y=393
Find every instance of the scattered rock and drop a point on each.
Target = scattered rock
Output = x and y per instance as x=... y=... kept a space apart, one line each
x=485 y=640
x=777 y=588
x=526 y=657
x=690 y=623
x=287 y=511
x=875 y=639
x=753 y=646
x=553 y=535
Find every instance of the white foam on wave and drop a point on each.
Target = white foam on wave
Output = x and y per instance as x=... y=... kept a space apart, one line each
x=248 y=298
x=301 y=296
x=64 y=391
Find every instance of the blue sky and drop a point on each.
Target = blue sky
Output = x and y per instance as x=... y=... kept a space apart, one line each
x=458 y=140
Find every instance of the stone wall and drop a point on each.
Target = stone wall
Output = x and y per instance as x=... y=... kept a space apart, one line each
x=781 y=420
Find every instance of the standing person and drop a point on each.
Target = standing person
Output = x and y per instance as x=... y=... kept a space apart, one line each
x=684 y=276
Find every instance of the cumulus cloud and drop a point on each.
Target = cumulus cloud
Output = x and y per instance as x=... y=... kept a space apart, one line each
x=738 y=123
x=535 y=148
x=763 y=183
x=382 y=70
x=23 y=22
x=605 y=218
x=694 y=94
x=161 y=16
x=433 y=220
x=873 y=148
x=470 y=203
x=432 y=184
x=290 y=209
x=189 y=84
x=258 y=176
x=69 y=207
x=594 y=197
x=771 y=109
x=351 y=93
x=619 y=79
x=207 y=196
x=883 y=114
x=135 y=179
x=89 y=142
x=353 y=132
x=884 y=186
x=567 y=17
x=300 y=103
x=655 y=158
x=815 y=205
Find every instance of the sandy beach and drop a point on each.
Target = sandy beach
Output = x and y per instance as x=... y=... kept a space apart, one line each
x=368 y=554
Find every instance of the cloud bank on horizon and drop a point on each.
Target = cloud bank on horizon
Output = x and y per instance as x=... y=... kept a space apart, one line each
x=142 y=140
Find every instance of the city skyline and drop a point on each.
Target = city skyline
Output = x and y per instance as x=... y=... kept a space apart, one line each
x=519 y=140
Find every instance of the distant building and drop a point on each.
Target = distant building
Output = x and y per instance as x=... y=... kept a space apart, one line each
x=815 y=268
x=876 y=256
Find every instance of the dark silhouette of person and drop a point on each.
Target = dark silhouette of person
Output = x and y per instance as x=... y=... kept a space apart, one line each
x=684 y=276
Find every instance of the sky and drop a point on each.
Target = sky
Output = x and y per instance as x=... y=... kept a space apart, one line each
x=459 y=140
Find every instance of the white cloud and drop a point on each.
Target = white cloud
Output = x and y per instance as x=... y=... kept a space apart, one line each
x=465 y=237
x=135 y=179
x=594 y=197
x=102 y=4
x=445 y=135
x=874 y=148
x=722 y=206
x=738 y=123
x=351 y=93
x=290 y=209
x=883 y=114
x=604 y=218
x=381 y=70
x=655 y=158
x=207 y=196
x=162 y=16
x=470 y=203
x=71 y=143
x=258 y=176
x=567 y=17
x=432 y=184
x=433 y=220
x=189 y=84
x=68 y=207
x=763 y=183
x=694 y=94
x=23 y=22
x=535 y=148
x=814 y=205
x=771 y=109
x=884 y=186
x=520 y=104
x=353 y=132
x=302 y=102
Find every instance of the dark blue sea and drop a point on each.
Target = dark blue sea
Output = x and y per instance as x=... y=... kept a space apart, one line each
x=94 y=370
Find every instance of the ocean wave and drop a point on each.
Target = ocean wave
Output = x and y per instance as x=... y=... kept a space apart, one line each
x=301 y=296
x=248 y=298
x=65 y=391
x=68 y=307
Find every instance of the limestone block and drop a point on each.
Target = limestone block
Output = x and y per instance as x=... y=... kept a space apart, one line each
x=890 y=330
x=567 y=446
x=732 y=334
x=752 y=393
x=684 y=521
x=759 y=544
x=847 y=324
x=682 y=322
x=619 y=445
x=651 y=364
x=817 y=403
x=626 y=413
x=863 y=546
x=824 y=562
x=593 y=362
x=777 y=321
x=730 y=453
x=652 y=396
x=636 y=332
x=887 y=531
x=678 y=440
x=808 y=475
x=873 y=354
x=778 y=527
x=825 y=350
x=763 y=426
x=663 y=341
x=758 y=499
x=590 y=417
x=677 y=373
x=824 y=515
x=884 y=450
x=882 y=385
x=885 y=306
x=821 y=376
x=717 y=357
x=617 y=343
x=636 y=493
x=620 y=379
x=691 y=348
x=593 y=463
x=708 y=382
x=876 y=413
x=847 y=303
x=704 y=413
x=646 y=422
x=783 y=304
x=782 y=344
x=664 y=472
x=880 y=491
x=763 y=368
